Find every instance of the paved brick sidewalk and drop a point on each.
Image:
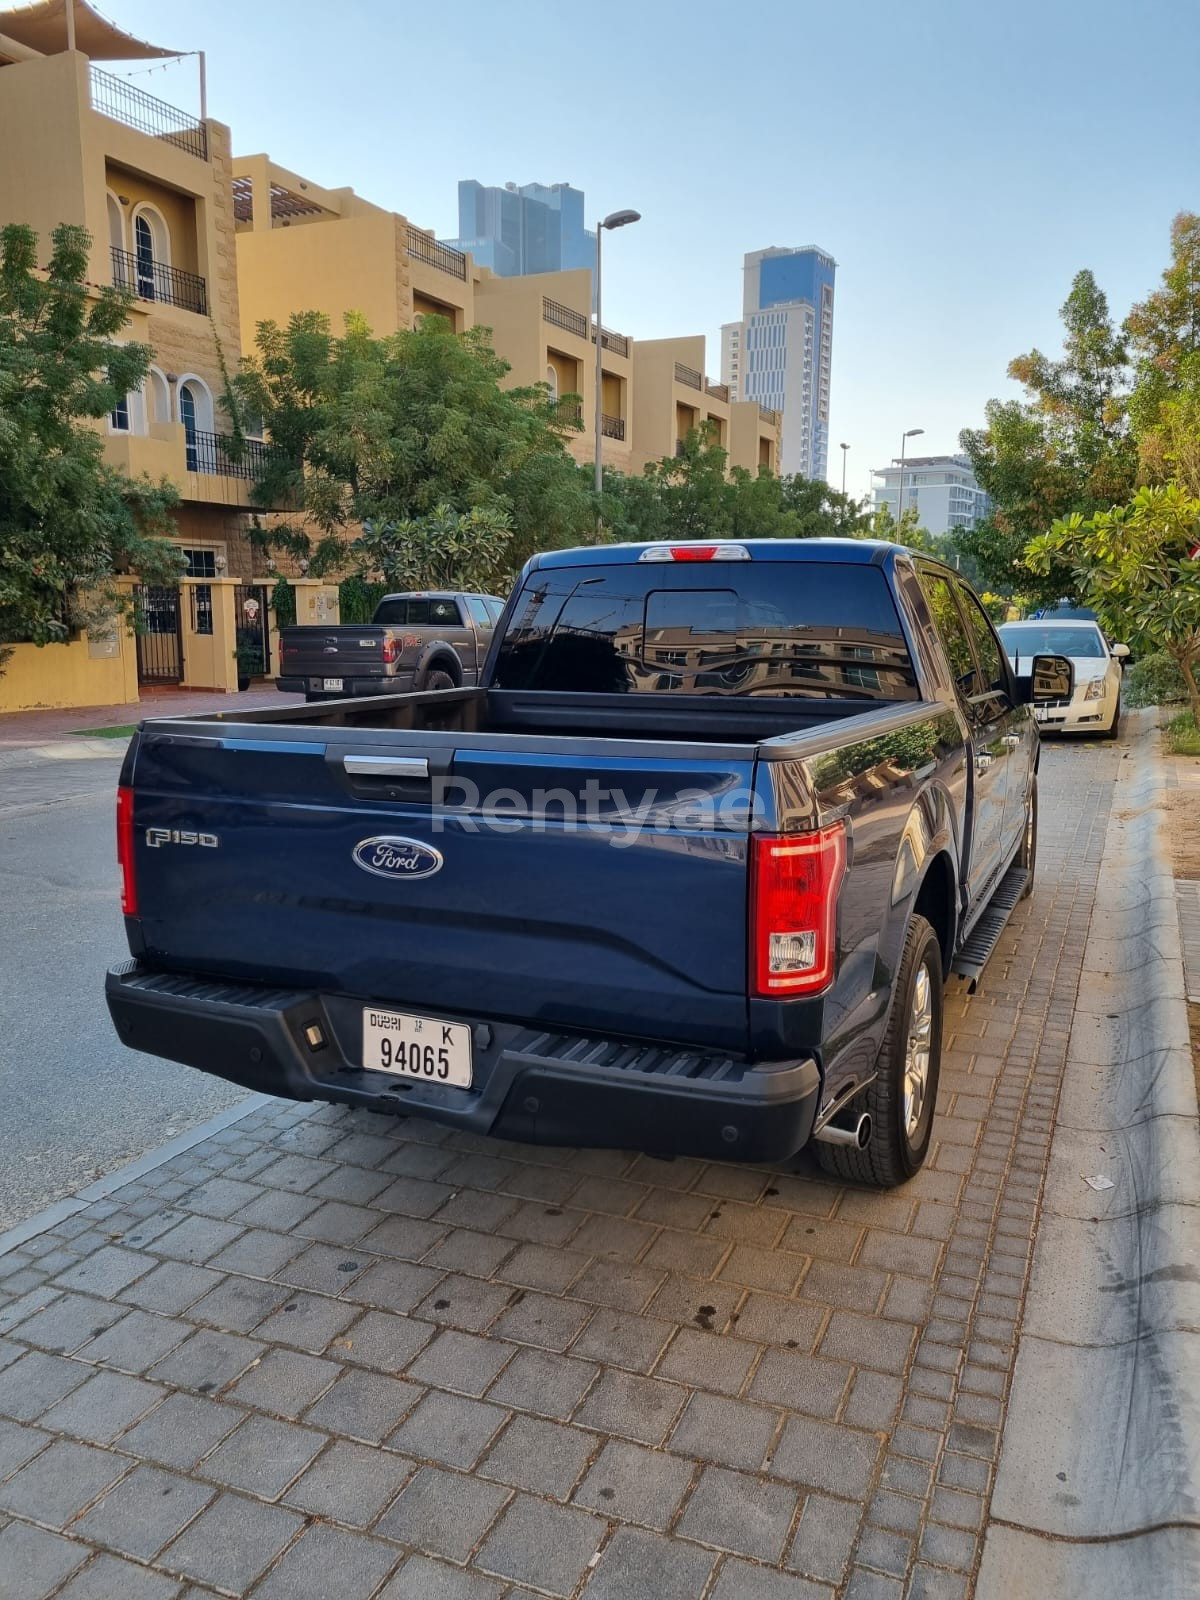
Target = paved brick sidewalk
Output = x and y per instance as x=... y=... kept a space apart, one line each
x=21 y=728
x=325 y=1353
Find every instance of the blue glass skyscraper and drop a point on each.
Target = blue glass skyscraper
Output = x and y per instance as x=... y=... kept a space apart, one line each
x=519 y=230
x=781 y=352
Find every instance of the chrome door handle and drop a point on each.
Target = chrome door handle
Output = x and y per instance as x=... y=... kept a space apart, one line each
x=386 y=766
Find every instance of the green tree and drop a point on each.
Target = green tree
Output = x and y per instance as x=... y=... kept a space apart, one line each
x=1164 y=337
x=444 y=550
x=388 y=431
x=1136 y=567
x=68 y=522
x=1066 y=447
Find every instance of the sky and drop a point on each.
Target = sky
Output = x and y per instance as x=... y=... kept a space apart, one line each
x=960 y=160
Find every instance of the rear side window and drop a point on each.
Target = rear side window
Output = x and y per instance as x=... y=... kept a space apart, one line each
x=480 y=614
x=422 y=612
x=987 y=646
x=952 y=631
x=820 y=630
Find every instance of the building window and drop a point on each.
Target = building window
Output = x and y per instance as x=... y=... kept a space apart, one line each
x=200 y=563
x=202 y=609
x=552 y=382
x=118 y=417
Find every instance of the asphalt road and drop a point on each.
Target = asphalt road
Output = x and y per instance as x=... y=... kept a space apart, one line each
x=74 y=1103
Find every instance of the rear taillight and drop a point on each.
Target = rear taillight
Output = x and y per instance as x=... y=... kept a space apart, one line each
x=391 y=650
x=794 y=884
x=129 y=900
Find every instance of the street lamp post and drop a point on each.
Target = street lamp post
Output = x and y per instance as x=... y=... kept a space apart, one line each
x=843 y=449
x=904 y=438
x=615 y=219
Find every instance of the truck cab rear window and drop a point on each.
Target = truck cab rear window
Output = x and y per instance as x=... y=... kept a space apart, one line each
x=423 y=613
x=819 y=630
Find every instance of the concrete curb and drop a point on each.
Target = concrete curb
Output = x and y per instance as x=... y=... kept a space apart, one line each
x=102 y=1188
x=1098 y=1488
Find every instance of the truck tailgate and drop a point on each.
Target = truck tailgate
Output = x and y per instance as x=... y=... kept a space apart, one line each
x=338 y=651
x=631 y=922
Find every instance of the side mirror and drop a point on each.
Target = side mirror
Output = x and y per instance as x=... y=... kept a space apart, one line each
x=1121 y=653
x=1050 y=678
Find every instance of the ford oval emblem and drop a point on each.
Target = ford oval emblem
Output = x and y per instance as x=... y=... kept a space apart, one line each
x=389 y=857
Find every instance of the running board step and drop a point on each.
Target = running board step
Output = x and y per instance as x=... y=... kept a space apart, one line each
x=985 y=935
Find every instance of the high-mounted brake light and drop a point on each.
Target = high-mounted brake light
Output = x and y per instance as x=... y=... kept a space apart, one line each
x=129 y=899
x=794 y=884
x=695 y=552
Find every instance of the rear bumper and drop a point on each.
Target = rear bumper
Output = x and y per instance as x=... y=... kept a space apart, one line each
x=400 y=684
x=537 y=1087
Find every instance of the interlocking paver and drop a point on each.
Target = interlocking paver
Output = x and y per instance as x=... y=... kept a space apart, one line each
x=329 y=1561
x=825 y=1537
x=18 y=1444
x=740 y=1581
x=107 y=1577
x=60 y=1482
x=636 y=1565
x=422 y=1579
x=103 y=1407
x=350 y=1482
x=364 y=1405
x=232 y=1542
x=444 y=1513
x=33 y=1562
x=263 y=1456
x=136 y=1342
x=69 y=1322
x=207 y=1361
x=709 y=1361
x=143 y=1512
x=749 y=1516
x=632 y=1407
x=540 y=1456
x=539 y=1381
x=238 y=1304
x=825 y=1456
x=800 y=1382
x=33 y=1384
x=546 y=1546
x=731 y=1432
x=105 y=1271
x=171 y=1287
x=542 y=1320
x=448 y=1428
x=307 y=1320
x=181 y=1430
x=634 y=1484
x=624 y=1340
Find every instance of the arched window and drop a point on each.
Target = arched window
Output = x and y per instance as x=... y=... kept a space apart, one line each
x=151 y=249
x=552 y=380
x=196 y=414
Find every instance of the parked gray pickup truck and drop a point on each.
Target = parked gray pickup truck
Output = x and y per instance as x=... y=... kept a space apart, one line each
x=427 y=640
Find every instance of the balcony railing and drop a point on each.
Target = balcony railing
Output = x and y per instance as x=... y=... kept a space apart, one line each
x=151 y=280
x=115 y=98
x=214 y=453
x=569 y=411
x=719 y=391
x=612 y=427
x=618 y=343
x=560 y=316
x=443 y=256
x=688 y=376
x=767 y=414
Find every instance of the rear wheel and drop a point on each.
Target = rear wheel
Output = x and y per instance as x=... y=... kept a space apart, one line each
x=1115 y=731
x=1027 y=854
x=438 y=678
x=901 y=1099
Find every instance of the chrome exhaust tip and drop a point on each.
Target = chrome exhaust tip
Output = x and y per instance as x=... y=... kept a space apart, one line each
x=856 y=1137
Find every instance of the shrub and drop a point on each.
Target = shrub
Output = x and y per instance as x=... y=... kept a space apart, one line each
x=1154 y=681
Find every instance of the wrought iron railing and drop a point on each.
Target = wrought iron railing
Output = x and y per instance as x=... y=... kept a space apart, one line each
x=443 y=256
x=719 y=391
x=767 y=414
x=612 y=427
x=560 y=316
x=152 y=280
x=618 y=343
x=218 y=454
x=569 y=411
x=688 y=376
x=121 y=101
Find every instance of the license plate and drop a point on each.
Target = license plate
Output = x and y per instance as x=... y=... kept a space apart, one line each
x=331 y=683
x=1041 y=713
x=417 y=1048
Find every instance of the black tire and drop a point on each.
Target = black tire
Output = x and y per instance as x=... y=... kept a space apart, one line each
x=1115 y=731
x=1027 y=855
x=894 y=1153
x=438 y=678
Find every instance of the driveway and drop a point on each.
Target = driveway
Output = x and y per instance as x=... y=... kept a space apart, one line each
x=326 y=1352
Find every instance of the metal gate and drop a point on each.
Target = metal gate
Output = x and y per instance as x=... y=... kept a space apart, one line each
x=253 y=631
x=159 y=641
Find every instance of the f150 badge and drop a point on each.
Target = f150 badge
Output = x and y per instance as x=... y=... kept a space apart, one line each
x=157 y=837
x=389 y=857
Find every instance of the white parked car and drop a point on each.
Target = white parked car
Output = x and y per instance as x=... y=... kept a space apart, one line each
x=1095 y=707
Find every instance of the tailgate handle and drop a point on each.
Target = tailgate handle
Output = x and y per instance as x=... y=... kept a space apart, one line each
x=386 y=766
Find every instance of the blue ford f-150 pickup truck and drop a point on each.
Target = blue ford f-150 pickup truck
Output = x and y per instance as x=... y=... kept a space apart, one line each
x=686 y=871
